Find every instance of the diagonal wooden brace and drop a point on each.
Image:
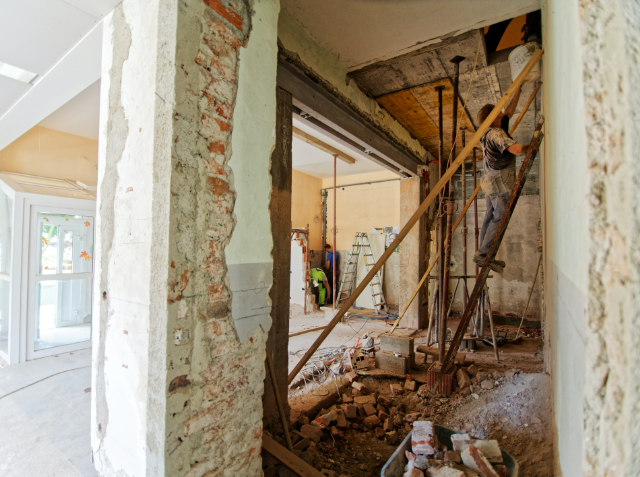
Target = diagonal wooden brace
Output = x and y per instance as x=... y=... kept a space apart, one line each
x=504 y=222
x=462 y=214
x=418 y=213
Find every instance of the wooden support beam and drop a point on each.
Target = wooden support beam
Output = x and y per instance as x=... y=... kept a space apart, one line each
x=421 y=210
x=310 y=330
x=291 y=461
x=525 y=108
x=463 y=213
x=323 y=146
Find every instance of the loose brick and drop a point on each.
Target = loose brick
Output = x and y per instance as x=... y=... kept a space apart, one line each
x=410 y=385
x=464 y=381
x=392 y=437
x=312 y=432
x=341 y=421
x=473 y=458
x=372 y=422
x=397 y=344
x=347 y=399
x=388 y=425
x=396 y=389
x=383 y=415
x=360 y=387
x=369 y=409
x=384 y=401
x=423 y=438
x=387 y=361
x=365 y=399
x=379 y=432
x=351 y=411
x=352 y=376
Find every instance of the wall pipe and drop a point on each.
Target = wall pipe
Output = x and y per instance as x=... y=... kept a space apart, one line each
x=464 y=222
x=443 y=168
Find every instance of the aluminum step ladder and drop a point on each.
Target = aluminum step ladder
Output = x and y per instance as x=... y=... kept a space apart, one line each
x=348 y=285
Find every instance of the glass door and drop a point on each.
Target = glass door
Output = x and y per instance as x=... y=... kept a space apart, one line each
x=60 y=282
x=6 y=222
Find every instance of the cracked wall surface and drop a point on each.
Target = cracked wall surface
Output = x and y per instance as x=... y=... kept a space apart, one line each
x=590 y=203
x=610 y=45
x=184 y=139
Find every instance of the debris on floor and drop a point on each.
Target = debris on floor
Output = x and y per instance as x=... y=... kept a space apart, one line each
x=366 y=416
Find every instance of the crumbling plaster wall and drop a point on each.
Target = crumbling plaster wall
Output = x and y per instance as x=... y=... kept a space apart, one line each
x=610 y=37
x=185 y=141
x=590 y=193
x=305 y=52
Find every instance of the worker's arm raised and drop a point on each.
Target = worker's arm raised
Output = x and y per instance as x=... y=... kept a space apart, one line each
x=518 y=149
x=511 y=109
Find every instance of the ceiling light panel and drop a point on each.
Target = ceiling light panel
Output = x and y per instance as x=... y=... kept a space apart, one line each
x=16 y=73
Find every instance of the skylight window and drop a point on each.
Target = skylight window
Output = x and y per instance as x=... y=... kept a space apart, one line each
x=16 y=73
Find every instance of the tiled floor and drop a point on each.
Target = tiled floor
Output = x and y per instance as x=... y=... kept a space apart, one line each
x=47 y=416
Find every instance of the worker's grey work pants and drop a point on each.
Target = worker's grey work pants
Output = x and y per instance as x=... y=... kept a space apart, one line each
x=497 y=186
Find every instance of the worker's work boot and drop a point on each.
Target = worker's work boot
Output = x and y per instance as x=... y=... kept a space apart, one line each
x=496 y=266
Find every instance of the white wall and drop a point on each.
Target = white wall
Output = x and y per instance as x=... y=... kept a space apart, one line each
x=563 y=196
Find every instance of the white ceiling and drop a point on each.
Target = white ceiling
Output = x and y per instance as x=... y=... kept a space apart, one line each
x=80 y=116
x=311 y=160
x=361 y=32
x=37 y=34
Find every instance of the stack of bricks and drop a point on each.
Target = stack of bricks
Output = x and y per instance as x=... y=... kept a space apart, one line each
x=396 y=354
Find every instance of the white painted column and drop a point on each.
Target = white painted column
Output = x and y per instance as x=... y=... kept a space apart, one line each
x=412 y=252
x=186 y=136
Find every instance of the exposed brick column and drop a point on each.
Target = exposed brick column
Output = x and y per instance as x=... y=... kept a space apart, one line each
x=412 y=251
x=176 y=391
x=280 y=209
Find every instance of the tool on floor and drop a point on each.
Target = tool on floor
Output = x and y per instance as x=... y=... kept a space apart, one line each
x=484 y=272
x=418 y=214
x=276 y=393
x=361 y=243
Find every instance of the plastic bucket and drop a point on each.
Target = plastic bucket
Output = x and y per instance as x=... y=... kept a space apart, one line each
x=395 y=465
x=519 y=58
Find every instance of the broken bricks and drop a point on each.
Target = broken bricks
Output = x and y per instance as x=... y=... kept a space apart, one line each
x=396 y=389
x=476 y=461
x=372 y=421
x=423 y=438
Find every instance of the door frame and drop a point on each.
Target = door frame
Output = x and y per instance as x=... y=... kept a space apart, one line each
x=32 y=244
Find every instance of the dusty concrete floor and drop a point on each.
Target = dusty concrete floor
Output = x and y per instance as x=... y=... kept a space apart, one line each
x=45 y=408
x=517 y=412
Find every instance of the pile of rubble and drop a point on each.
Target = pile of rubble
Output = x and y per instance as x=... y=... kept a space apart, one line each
x=468 y=458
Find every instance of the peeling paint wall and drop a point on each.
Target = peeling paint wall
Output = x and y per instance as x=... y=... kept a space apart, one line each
x=185 y=143
x=305 y=52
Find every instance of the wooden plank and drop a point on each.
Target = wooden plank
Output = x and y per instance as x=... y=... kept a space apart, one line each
x=404 y=107
x=307 y=331
x=323 y=146
x=420 y=211
x=417 y=110
x=291 y=461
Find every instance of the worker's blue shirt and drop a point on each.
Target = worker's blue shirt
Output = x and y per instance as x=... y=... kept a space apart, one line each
x=330 y=259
